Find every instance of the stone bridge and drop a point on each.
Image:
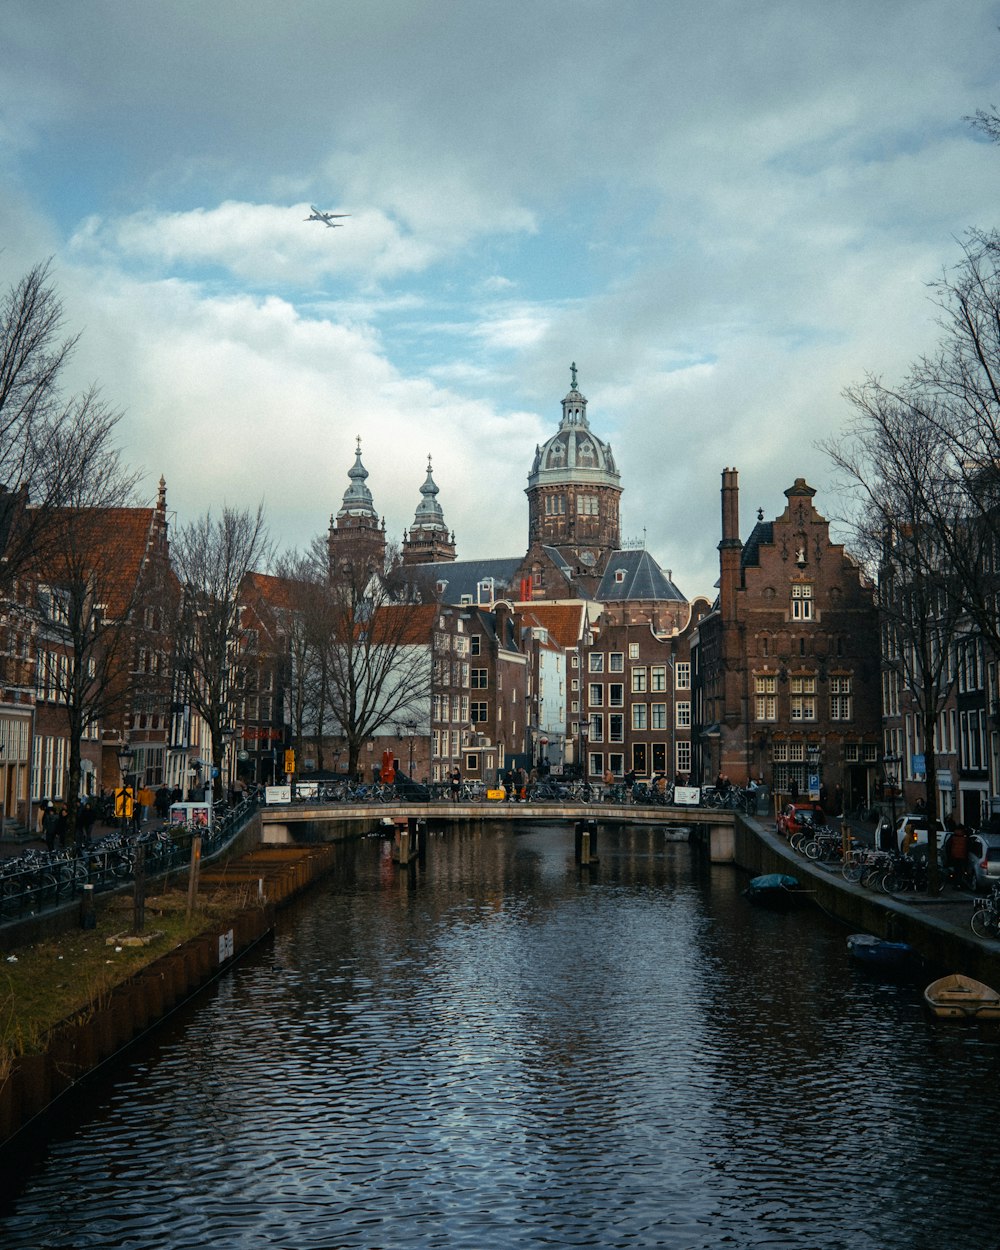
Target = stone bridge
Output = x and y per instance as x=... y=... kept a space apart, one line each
x=325 y=822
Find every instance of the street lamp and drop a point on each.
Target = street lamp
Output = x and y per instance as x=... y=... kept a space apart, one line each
x=891 y=765
x=124 y=754
x=584 y=731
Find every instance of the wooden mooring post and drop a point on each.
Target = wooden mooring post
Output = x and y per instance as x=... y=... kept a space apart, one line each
x=586 y=842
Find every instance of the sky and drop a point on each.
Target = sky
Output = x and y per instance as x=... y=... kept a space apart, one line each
x=724 y=213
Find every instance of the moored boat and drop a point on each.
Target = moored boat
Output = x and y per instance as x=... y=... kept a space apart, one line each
x=958 y=997
x=773 y=889
x=877 y=952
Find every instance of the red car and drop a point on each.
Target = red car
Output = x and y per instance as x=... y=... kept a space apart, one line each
x=794 y=817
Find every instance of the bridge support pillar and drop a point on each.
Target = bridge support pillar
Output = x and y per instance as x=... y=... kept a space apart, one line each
x=721 y=844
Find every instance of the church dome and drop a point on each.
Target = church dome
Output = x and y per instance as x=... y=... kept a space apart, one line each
x=574 y=453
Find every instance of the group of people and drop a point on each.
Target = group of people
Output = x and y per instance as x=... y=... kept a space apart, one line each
x=55 y=825
x=125 y=806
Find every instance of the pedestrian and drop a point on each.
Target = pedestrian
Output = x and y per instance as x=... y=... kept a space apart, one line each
x=456 y=784
x=508 y=785
x=62 y=827
x=162 y=802
x=793 y=790
x=85 y=820
x=50 y=824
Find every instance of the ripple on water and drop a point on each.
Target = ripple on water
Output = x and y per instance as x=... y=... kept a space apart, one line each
x=500 y=1054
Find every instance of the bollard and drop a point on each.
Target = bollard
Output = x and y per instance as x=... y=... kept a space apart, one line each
x=88 y=916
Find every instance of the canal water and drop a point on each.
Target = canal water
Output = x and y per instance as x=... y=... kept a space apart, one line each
x=499 y=1049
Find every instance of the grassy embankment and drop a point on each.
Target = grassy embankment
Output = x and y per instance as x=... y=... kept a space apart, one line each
x=71 y=975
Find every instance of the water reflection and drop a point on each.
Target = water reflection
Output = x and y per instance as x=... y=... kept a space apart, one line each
x=502 y=1049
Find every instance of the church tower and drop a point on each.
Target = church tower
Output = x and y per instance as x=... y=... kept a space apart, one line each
x=428 y=540
x=356 y=529
x=574 y=493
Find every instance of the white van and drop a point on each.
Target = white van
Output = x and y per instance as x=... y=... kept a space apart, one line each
x=921 y=826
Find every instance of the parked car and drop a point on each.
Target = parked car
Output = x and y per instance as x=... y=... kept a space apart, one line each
x=794 y=817
x=983 y=851
x=921 y=825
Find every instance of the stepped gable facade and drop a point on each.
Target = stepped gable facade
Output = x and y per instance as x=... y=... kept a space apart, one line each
x=786 y=665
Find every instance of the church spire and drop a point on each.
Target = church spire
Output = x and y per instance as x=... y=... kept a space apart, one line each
x=428 y=540
x=357 y=521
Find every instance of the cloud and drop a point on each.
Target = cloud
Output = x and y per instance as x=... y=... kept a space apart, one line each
x=723 y=214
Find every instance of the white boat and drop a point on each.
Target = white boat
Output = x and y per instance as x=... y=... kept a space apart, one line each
x=957 y=997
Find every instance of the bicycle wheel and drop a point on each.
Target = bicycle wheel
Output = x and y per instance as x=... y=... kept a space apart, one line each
x=852 y=870
x=812 y=850
x=982 y=922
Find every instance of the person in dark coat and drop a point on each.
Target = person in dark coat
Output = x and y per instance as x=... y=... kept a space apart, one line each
x=50 y=826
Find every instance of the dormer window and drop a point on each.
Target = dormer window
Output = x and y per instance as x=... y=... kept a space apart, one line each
x=619 y=576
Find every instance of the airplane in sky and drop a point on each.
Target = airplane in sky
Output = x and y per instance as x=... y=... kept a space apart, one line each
x=316 y=215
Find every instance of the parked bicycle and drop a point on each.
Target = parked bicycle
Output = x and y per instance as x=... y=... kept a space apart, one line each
x=985 y=920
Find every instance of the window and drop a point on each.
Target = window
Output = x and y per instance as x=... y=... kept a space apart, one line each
x=682 y=675
x=555 y=505
x=616 y=727
x=802 y=601
x=586 y=505
x=616 y=694
x=639 y=680
x=472 y=763
x=803 y=702
x=595 y=694
x=596 y=724
x=658 y=677
x=683 y=753
x=617 y=764
x=683 y=715
x=841 y=703
x=617 y=662
x=478 y=712
x=595 y=765
x=765 y=704
x=658 y=715
x=633 y=650
x=595 y=662
x=640 y=719
x=474 y=644
x=480 y=679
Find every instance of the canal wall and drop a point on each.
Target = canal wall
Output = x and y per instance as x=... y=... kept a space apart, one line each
x=937 y=928
x=261 y=881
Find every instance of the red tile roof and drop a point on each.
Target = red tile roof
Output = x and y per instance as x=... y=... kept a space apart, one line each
x=566 y=622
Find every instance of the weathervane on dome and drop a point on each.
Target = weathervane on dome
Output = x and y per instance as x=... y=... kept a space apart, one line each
x=572 y=374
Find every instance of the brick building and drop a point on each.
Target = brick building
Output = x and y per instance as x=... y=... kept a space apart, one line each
x=786 y=665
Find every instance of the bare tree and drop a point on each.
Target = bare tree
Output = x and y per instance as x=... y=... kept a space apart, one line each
x=374 y=659
x=212 y=557
x=86 y=592
x=40 y=427
x=894 y=462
